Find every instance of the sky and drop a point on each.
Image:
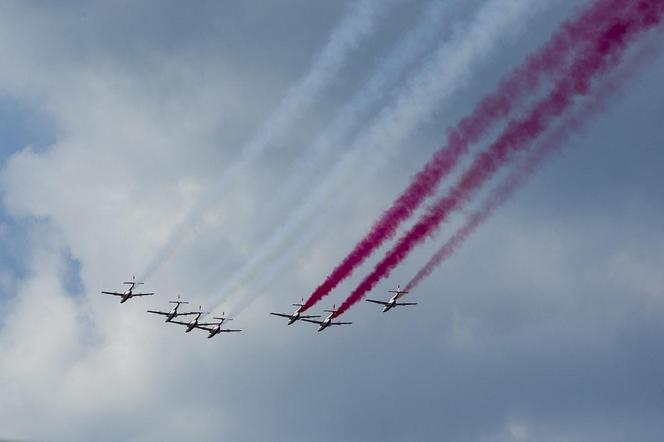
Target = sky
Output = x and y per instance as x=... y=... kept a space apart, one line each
x=127 y=131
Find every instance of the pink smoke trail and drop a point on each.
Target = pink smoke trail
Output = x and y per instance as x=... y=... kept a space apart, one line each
x=552 y=60
x=518 y=176
x=591 y=63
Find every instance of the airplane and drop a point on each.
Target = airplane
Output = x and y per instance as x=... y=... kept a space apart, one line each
x=215 y=327
x=297 y=314
x=398 y=293
x=174 y=312
x=325 y=323
x=193 y=323
x=129 y=293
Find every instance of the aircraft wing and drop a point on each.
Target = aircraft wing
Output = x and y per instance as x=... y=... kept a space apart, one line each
x=179 y=322
x=283 y=315
x=340 y=323
x=309 y=316
x=158 y=313
x=113 y=293
x=376 y=302
x=228 y=330
x=406 y=303
x=204 y=327
x=141 y=294
x=313 y=321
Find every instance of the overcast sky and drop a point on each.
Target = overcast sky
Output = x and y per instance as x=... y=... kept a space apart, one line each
x=157 y=139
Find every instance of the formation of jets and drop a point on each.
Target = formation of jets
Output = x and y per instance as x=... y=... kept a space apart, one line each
x=215 y=328
x=329 y=320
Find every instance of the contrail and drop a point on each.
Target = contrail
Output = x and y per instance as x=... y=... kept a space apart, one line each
x=517 y=178
x=590 y=64
x=411 y=47
x=240 y=297
x=551 y=60
x=388 y=70
x=358 y=24
x=443 y=74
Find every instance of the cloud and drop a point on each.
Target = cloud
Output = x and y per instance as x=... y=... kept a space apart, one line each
x=558 y=333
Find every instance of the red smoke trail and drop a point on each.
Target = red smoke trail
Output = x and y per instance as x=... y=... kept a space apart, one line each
x=573 y=36
x=606 y=51
x=517 y=177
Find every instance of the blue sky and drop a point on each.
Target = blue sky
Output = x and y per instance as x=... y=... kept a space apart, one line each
x=22 y=125
x=125 y=125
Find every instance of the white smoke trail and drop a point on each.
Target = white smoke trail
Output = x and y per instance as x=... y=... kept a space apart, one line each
x=387 y=72
x=444 y=73
x=358 y=24
x=242 y=295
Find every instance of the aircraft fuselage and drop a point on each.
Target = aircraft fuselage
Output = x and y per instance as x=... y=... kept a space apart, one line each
x=127 y=295
x=391 y=303
x=326 y=323
x=294 y=317
x=172 y=314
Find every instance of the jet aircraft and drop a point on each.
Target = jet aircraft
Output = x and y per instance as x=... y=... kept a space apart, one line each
x=174 y=312
x=398 y=293
x=297 y=314
x=325 y=323
x=193 y=323
x=214 y=328
x=129 y=293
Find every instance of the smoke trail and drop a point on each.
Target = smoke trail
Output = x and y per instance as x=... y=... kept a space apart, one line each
x=443 y=74
x=526 y=168
x=387 y=72
x=446 y=71
x=412 y=46
x=551 y=60
x=241 y=296
x=358 y=24
x=607 y=51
